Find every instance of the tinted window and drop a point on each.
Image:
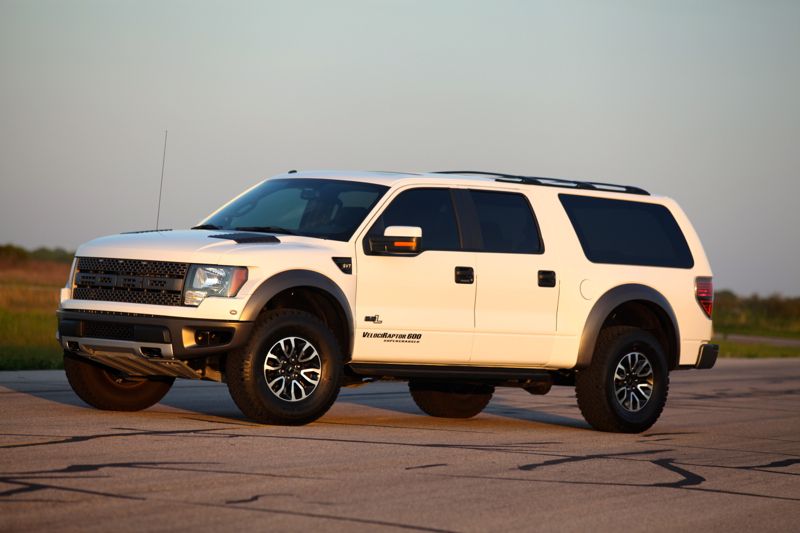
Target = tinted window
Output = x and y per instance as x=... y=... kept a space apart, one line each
x=627 y=233
x=330 y=209
x=429 y=209
x=506 y=222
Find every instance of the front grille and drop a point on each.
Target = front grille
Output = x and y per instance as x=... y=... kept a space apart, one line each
x=108 y=330
x=129 y=280
x=133 y=267
x=112 y=313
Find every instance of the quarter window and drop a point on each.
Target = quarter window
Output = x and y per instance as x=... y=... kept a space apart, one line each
x=627 y=233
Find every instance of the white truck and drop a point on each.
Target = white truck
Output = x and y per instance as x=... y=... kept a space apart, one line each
x=458 y=282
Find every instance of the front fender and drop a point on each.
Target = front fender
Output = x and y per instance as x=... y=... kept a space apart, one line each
x=297 y=278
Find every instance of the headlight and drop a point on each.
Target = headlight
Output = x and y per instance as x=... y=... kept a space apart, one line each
x=208 y=280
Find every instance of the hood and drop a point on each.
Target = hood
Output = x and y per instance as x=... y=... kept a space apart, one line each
x=187 y=246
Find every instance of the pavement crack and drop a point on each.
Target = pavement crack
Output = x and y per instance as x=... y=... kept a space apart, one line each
x=689 y=478
x=578 y=458
x=425 y=466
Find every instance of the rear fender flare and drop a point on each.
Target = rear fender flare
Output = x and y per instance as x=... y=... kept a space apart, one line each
x=606 y=304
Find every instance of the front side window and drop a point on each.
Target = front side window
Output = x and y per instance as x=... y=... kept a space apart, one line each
x=506 y=222
x=328 y=209
x=429 y=209
x=627 y=233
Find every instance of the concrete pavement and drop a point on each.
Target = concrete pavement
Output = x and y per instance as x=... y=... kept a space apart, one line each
x=725 y=456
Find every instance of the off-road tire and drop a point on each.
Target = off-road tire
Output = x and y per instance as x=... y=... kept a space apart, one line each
x=246 y=373
x=109 y=390
x=595 y=386
x=450 y=400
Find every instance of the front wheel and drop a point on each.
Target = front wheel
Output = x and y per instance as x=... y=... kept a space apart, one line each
x=450 y=400
x=625 y=388
x=290 y=371
x=109 y=390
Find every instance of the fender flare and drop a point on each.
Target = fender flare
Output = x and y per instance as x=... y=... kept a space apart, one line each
x=610 y=301
x=298 y=278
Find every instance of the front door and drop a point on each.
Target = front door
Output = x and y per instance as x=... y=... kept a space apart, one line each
x=416 y=309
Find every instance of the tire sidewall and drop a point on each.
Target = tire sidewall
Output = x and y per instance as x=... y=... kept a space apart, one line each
x=646 y=344
x=96 y=385
x=450 y=400
x=330 y=359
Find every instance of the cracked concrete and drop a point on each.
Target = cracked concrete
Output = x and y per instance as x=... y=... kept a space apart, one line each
x=724 y=456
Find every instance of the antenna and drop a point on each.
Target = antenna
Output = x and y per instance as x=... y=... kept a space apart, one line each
x=161 y=187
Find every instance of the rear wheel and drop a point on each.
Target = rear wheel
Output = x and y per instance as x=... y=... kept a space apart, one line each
x=450 y=400
x=625 y=388
x=109 y=390
x=290 y=371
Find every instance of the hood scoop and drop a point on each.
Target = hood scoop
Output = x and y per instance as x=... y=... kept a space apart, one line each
x=247 y=238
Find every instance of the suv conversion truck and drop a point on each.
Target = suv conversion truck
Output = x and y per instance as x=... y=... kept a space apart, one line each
x=458 y=282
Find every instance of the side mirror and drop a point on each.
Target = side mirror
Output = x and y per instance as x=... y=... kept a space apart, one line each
x=396 y=240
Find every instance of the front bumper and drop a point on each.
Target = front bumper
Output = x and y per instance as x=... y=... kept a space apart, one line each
x=149 y=337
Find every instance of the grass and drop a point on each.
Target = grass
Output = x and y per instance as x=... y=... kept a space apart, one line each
x=28 y=301
x=756 y=331
x=31 y=358
x=755 y=351
x=29 y=298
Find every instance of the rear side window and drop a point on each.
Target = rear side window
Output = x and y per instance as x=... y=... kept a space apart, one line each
x=627 y=233
x=429 y=209
x=506 y=222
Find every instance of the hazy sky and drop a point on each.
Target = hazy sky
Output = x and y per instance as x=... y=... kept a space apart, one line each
x=694 y=100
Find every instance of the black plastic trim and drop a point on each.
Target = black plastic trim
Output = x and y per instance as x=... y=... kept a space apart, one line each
x=708 y=356
x=448 y=372
x=467 y=220
x=294 y=279
x=552 y=182
x=610 y=301
x=148 y=329
x=247 y=238
x=345 y=264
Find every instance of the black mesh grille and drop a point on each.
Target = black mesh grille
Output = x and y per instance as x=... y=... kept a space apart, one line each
x=108 y=330
x=134 y=267
x=129 y=280
x=128 y=296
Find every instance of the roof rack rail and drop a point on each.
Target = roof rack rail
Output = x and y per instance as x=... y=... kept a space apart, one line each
x=553 y=182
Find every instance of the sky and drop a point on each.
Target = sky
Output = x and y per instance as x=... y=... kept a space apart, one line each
x=699 y=101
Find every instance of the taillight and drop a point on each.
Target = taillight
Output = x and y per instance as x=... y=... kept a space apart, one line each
x=704 y=292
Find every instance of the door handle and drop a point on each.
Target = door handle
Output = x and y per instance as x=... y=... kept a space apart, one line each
x=465 y=275
x=547 y=278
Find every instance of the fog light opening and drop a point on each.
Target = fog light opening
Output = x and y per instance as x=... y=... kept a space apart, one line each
x=151 y=352
x=212 y=337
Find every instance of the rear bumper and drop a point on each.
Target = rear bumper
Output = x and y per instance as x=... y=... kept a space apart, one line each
x=707 y=357
x=152 y=337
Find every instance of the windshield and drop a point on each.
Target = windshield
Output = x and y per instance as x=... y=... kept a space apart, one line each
x=328 y=209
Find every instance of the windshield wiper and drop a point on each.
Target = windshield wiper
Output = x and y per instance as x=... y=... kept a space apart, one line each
x=207 y=226
x=266 y=229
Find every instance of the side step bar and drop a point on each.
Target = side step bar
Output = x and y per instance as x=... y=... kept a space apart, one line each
x=449 y=372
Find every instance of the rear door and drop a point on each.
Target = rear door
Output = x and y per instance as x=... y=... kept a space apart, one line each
x=517 y=285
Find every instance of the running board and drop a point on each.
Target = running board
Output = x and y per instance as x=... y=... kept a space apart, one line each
x=451 y=372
